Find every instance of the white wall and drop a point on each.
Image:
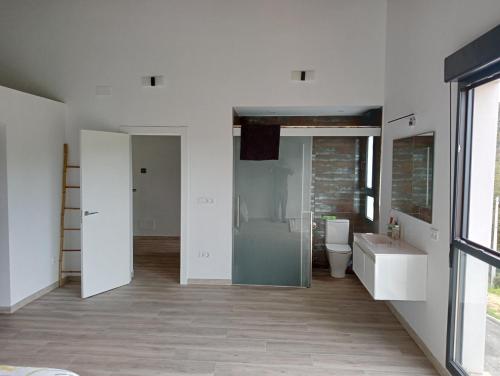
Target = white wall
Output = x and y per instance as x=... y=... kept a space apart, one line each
x=4 y=223
x=420 y=34
x=214 y=54
x=157 y=199
x=34 y=129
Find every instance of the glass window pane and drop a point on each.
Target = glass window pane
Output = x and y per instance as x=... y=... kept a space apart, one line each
x=484 y=149
x=369 y=163
x=370 y=207
x=477 y=340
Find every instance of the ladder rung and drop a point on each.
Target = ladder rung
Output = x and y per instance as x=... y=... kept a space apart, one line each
x=70 y=271
x=72 y=186
x=71 y=208
x=71 y=250
x=72 y=166
x=71 y=229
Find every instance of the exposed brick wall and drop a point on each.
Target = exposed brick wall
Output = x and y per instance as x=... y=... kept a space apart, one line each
x=302 y=121
x=338 y=187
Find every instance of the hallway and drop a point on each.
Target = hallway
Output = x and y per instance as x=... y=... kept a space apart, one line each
x=156 y=259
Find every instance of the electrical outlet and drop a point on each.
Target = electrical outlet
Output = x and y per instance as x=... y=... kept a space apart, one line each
x=206 y=201
x=203 y=254
x=434 y=234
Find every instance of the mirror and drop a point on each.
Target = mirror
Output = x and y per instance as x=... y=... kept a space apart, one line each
x=412 y=175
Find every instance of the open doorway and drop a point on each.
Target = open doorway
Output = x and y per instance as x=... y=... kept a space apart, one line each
x=156 y=179
x=106 y=197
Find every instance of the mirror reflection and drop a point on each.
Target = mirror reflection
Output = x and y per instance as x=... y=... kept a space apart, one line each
x=412 y=175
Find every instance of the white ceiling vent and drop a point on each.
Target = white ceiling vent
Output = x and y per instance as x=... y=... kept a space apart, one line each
x=303 y=75
x=152 y=81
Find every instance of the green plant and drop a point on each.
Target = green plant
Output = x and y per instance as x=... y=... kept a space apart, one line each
x=496 y=281
x=494 y=313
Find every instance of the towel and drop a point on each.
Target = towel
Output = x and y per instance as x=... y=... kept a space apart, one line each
x=260 y=142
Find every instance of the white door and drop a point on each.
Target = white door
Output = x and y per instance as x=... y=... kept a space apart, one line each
x=105 y=167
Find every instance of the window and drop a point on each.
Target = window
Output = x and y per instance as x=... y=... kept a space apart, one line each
x=370 y=207
x=474 y=326
x=474 y=300
x=370 y=190
x=369 y=163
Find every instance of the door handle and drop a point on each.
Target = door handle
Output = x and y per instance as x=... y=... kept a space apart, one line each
x=86 y=213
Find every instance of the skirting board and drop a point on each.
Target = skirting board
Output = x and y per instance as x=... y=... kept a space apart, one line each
x=437 y=365
x=29 y=299
x=157 y=237
x=220 y=282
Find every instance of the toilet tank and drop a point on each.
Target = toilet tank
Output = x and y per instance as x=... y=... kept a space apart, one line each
x=337 y=231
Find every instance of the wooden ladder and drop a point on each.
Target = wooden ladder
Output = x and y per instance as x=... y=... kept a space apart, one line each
x=63 y=227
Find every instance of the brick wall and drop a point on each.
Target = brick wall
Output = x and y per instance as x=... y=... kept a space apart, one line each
x=338 y=187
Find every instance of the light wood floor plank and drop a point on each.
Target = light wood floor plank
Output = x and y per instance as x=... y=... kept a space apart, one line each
x=154 y=326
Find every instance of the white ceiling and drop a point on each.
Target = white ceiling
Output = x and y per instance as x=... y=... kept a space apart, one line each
x=303 y=111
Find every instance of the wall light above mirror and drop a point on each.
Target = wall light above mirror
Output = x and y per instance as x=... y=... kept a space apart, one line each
x=412 y=175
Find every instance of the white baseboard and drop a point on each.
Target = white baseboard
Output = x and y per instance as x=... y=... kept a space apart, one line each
x=160 y=237
x=219 y=282
x=434 y=361
x=29 y=299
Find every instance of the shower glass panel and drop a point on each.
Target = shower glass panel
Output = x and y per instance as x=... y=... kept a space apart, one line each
x=272 y=225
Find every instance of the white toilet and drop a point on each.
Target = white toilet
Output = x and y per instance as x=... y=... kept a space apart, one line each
x=339 y=251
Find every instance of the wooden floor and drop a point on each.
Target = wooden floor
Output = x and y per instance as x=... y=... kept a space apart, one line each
x=156 y=327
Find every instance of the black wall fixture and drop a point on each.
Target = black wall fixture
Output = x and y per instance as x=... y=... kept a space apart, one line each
x=477 y=57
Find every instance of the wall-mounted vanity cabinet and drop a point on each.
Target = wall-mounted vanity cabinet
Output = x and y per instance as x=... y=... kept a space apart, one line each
x=390 y=269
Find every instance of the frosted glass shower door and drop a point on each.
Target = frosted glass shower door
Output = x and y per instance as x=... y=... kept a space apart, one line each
x=272 y=225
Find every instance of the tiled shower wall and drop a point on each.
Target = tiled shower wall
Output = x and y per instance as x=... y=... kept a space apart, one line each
x=338 y=187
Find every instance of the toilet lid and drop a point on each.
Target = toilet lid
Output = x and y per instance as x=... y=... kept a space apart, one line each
x=339 y=248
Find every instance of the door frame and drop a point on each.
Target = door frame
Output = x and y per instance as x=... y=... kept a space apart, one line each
x=182 y=132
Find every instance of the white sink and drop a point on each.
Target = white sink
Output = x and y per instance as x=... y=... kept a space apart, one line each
x=390 y=269
x=377 y=239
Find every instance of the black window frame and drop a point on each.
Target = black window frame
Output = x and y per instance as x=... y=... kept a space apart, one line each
x=459 y=221
x=473 y=65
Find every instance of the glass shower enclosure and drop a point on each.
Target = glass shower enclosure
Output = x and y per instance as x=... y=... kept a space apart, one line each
x=272 y=231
